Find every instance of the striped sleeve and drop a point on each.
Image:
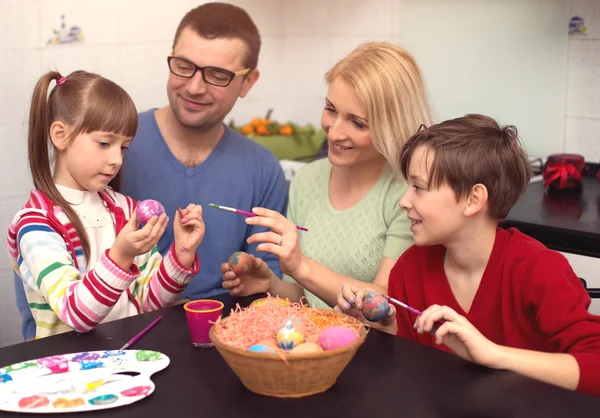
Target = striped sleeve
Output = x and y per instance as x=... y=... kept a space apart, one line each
x=46 y=266
x=161 y=279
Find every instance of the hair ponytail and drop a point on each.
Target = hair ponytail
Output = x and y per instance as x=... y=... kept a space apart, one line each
x=39 y=145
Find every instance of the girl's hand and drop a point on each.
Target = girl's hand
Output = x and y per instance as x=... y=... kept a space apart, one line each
x=132 y=241
x=459 y=335
x=282 y=240
x=189 y=233
x=350 y=302
x=258 y=279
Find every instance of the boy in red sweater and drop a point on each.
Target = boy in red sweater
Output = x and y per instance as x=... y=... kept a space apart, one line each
x=504 y=300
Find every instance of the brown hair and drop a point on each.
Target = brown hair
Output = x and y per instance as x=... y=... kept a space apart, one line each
x=86 y=103
x=388 y=82
x=223 y=21
x=474 y=150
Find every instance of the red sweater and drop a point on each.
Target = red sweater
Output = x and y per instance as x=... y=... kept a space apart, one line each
x=529 y=298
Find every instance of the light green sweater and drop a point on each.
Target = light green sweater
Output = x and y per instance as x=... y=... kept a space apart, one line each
x=353 y=241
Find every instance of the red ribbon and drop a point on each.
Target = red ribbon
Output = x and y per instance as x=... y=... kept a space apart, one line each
x=562 y=171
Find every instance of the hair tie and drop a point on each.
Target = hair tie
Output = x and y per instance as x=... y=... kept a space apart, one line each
x=61 y=81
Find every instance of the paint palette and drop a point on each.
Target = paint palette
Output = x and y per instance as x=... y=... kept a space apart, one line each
x=78 y=382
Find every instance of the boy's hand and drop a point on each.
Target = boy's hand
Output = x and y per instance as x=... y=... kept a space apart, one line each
x=459 y=335
x=350 y=302
x=258 y=279
x=132 y=241
x=189 y=233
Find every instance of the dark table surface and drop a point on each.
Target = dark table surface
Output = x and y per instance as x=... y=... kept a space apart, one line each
x=567 y=221
x=388 y=377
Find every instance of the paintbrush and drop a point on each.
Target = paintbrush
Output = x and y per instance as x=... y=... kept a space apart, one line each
x=436 y=324
x=242 y=212
x=141 y=333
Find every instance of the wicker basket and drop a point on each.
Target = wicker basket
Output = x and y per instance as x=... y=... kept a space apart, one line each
x=302 y=375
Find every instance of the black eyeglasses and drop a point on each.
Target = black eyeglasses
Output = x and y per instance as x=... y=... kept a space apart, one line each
x=216 y=76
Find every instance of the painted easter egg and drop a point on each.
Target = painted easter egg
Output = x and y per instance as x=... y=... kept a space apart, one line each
x=261 y=348
x=306 y=348
x=291 y=333
x=146 y=209
x=270 y=342
x=375 y=306
x=336 y=337
x=266 y=302
x=240 y=263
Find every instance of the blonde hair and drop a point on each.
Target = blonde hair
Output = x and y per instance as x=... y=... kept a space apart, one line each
x=389 y=83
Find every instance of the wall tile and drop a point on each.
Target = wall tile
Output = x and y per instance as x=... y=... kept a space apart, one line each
x=583 y=137
x=360 y=17
x=305 y=61
x=104 y=60
x=19 y=71
x=98 y=20
x=583 y=99
x=144 y=73
x=589 y=10
x=20 y=23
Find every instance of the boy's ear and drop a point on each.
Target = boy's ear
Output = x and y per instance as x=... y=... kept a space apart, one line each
x=59 y=135
x=477 y=200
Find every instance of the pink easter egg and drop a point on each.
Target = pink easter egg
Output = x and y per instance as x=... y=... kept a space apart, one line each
x=146 y=209
x=336 y=337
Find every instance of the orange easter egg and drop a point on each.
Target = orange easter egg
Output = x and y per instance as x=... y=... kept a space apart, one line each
x=240 y=263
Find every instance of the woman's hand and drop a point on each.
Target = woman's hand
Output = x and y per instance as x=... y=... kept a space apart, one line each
x=282 y=240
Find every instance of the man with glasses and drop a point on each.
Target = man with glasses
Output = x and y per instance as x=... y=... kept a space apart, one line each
x=184 y=153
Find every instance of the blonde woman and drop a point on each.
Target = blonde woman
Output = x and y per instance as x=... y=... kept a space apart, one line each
x=348 y=201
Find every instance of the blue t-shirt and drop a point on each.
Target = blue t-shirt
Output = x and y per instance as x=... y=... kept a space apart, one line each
x=238 y=173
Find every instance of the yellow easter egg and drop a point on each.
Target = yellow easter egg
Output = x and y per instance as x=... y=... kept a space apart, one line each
x=291 y=333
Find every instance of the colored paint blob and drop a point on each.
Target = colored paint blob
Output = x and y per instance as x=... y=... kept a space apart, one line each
x=136 y=391
x=64 y=403
x=336 y=337
x=375 y=306
x=147 y=355
x=146 y=209
x=240 y=263
x=5 y=378
x=35 y=401
x=103 y=399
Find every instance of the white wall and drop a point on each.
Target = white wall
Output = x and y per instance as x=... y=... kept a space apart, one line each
x=502 y=58
x=583 y=97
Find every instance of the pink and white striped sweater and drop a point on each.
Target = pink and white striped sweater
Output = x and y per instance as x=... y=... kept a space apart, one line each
x=63 y=292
